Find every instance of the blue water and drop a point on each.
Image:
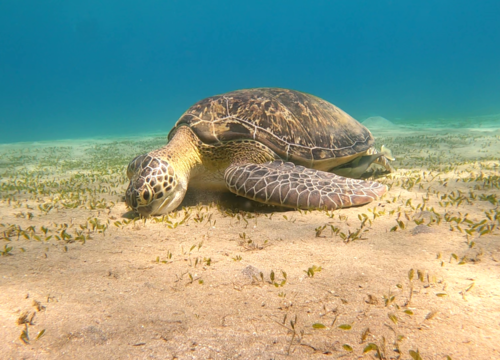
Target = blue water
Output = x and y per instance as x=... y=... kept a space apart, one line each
x=72 y=69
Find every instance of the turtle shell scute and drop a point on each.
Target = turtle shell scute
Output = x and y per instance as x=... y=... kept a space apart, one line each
x=295 y=125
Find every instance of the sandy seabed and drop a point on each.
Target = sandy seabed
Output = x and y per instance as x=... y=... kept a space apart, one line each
x=416 y=273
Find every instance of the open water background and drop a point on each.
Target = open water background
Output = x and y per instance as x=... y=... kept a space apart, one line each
x=74 y=69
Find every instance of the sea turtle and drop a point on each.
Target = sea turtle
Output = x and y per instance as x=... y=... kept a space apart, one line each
x=275 y=146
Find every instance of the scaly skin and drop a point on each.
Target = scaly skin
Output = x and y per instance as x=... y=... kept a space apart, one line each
x=159 y=179
x=286 y=184
x=238 y=140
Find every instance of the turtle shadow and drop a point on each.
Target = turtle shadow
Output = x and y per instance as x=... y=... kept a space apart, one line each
x=225 y=201
x=228 y=201
x=131 y=215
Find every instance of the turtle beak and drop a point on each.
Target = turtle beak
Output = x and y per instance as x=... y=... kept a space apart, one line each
x=132 y=199
x=170 y=203
x=167 y=204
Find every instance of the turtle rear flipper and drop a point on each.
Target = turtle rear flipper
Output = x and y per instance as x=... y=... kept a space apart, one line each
x=286 y=184
x=384 y=160
x=356 y=168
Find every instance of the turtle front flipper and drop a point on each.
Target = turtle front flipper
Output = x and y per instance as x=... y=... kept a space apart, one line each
x=286 y=184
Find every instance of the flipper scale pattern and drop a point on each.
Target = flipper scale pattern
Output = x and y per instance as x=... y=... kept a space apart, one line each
x=286 y=184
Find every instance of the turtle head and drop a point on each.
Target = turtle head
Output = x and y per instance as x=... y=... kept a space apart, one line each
x=154 y=187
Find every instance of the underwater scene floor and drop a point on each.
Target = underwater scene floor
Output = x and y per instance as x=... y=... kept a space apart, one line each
x=416 y=273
